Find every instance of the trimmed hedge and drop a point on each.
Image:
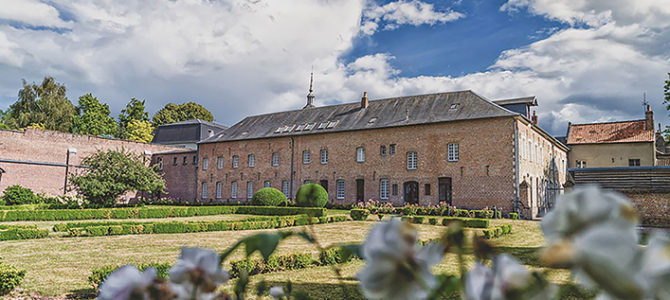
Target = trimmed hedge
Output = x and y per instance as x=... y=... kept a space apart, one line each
x=17 y=195
x=23 y=234
x=359 y=214
x=311 y=195
x=432 y=221
x=417 y=220
x=268 y=197
x=471 y=223
x=152 y=212
x=514 y=216
x=10 y=278
x=275 y=263
x=99 y=275
x=497 y=231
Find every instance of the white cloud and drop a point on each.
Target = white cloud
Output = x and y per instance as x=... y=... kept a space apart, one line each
x=31 y=12
x=403 y=12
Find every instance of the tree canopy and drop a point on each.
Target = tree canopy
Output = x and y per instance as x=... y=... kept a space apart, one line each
x=93 y=118
x=134 y=111
x=42 y=104
x=140 y=131
x=172 y=113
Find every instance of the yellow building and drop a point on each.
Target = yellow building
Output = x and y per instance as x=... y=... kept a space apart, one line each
x=612 y=144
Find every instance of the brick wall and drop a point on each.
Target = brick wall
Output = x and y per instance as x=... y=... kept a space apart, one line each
x=43 y=154
x=178 y=168
x=653 y=208
x=483 y=176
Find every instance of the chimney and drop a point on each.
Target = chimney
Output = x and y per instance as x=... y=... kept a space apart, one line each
x=534 y=118
x=364 y=100
x=649 y=117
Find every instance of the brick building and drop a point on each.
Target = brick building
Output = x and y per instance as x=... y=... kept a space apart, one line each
x=456 y=147
x=40 y=159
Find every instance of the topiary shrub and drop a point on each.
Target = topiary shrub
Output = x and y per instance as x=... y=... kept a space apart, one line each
x=311 y=195
x=359 y=214
x=432 y=221
x=269 y=197
x=513 y=216
x=15 y=195
x=418 y=220
x=10 y=278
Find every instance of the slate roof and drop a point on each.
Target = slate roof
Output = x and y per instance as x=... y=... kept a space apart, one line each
x=197 y=121
x=610 y=132
x=391 y=112
x=190 y=131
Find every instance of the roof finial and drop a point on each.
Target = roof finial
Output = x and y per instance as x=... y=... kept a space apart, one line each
x=310 y=95
x=311 y=79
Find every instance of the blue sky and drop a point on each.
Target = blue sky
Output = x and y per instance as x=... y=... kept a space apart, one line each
x=585 y=61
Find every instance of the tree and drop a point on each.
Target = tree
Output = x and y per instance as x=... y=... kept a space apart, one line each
x=44 y=104
x=134 y=111
x=140 y=131
x=172 y=113
x=112 y=173
x=93 y=118
x=3 y=115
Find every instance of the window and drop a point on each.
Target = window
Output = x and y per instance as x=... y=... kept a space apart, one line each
x=634 y=162
x=360 y=154
x=267 y=184
x=452 y=152
x=392 y=149
x=233 y=189
x=394 y=190
x=275 y=159
x=307 y=181
x=580 y=164
x=195 y=160
x=384 y=189
x=219 y=162
x=160 y=163
x=530 y=150
x=340 y=189
x=324 y=156
x=284 y=187
x=427 y=189
x=236 y=161
x=250 y=189
x=252 y=160
x=306 y=157
x=174 y=161
x=185 y=160
x=205 y=163
x=204 y=190
x=382 y=150
x=218 y=190
x=411 y=160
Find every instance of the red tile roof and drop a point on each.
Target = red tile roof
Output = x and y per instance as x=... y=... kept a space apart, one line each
x=611 y=132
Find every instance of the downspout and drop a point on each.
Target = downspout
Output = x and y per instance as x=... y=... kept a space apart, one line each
x=197 y=161
x=291 y=183
x=516 y=166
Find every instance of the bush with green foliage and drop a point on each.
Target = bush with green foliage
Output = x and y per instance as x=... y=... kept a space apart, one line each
x=497 y=231
x=467 y=222
x=18 y=233
x=418 y=220
x=311 y=195
x=432 y=221
x=99 y=275
x=275 y=263
x=112 y=173
x=359 y=214
x=513 y=216
x=268 y=197
x=10 y=278
x=16 y=195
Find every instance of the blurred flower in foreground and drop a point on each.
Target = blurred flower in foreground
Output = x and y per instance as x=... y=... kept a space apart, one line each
x=197 y=272
x=277 y=292
x=127 y=283
x=396 y=267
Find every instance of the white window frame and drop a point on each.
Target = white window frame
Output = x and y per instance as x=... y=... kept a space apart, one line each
x=324 y=156
x=203 y=192
x=219 y=163
x=252 y=160
x=250 y=189
x=360 y=154
x=384 y=189
x=453 y=152
x=233 y=189
x=160 y=163
x=340 y=189
x=306 y=157
x=412 y=160
x=205 y=163
x=219 y=189
x=236 y=161
x=285 y=187
x=275 y=159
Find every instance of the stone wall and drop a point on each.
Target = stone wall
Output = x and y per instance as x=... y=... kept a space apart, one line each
x=653 y=208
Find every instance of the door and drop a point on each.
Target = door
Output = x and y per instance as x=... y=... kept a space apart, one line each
x=444 y=190
x=411 y=189
x=324 y=184
x=360 y=190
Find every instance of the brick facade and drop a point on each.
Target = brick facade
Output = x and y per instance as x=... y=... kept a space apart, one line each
x=652 y=208
x=36 y=158
x=178 y=168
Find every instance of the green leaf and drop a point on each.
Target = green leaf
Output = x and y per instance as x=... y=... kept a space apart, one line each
x=265 y=243
x=447 y=286
x=306 y=236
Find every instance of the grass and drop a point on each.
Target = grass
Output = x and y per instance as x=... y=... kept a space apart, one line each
x=58 y=266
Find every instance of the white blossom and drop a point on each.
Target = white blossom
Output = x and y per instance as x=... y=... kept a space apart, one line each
x=656 y=265
x=395 y=266
x=127 y=282
x=482 y=282
x=197 y=272
x=277 y=292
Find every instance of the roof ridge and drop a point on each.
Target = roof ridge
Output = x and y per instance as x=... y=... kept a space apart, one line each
x=609 y=122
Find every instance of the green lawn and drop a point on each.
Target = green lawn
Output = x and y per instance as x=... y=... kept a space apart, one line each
x=57 y=266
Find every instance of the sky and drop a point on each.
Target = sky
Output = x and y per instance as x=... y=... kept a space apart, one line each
x=584 y=60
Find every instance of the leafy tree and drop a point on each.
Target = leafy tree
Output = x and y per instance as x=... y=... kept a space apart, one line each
x=45 y=104
x=172 y=113
x=134 y=111
x=93 y=117
x=140 y=131
x=3 y=115
x=113 y=173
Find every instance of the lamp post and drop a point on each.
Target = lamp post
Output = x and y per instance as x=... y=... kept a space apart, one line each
x=72 y=151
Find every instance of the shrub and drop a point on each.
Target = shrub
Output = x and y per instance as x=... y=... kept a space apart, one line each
x=75 y=232
x=99 y=275
x=359 y=214
x=269 y=197
x=408 y=210
x=417 y=220
x=311 y=195
x=23 y=234
x=253 y=266
x=10 y=278
x=406 y=219
x=15 y=195
x=97 y=230
x=467 y=222
x=432 y=221
x=514 y=216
